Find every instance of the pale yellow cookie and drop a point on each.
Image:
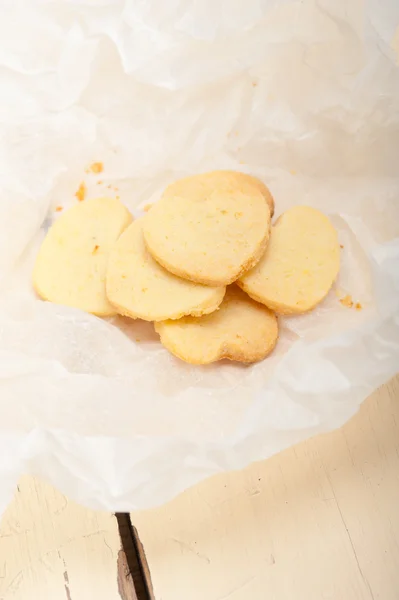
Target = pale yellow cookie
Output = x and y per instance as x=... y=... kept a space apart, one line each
x=209 y=228
x=300 y=264
x=240 y=330
x=264 y=190
x=71 y=264
x=139 y=287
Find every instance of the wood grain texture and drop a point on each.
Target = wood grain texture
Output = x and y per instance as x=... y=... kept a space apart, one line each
x=133 y=575
x=318 y=521
x=54 y=549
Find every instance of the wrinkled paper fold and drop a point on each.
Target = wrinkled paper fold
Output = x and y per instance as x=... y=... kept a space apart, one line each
x=304 y=95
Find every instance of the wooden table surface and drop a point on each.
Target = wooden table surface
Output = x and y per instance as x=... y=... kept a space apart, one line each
x=318 y=521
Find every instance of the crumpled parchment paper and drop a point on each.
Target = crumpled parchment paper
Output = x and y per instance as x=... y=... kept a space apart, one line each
x=304 y=95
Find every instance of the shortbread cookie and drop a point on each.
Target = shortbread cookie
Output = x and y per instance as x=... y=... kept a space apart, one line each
x=71 y=264
x=264 y=190
x=139 y=287
x=208 y=228
x=240 y=330
x=300 y=264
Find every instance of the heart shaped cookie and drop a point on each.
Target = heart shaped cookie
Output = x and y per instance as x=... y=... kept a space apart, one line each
x=238 y=176
x=300 y=264
x=140 y=288
x=240 y=330
x=209 y=228
x=72 y=261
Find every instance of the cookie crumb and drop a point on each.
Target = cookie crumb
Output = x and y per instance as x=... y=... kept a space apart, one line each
x=147 y=207
x=254 y=83
x=95 y=249
x=99 y=182
x=138 y=340
x=81 y=193
x=59 y=208
x=347 y=301
x=341 y=245
x=97 y=167
x=358 y=306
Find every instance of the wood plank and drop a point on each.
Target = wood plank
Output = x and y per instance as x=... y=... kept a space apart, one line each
x=319 y=521
x=133 y=575
x=52 y=548
x=145 y=571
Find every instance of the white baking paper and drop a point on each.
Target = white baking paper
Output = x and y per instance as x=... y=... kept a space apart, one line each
x=304 y=95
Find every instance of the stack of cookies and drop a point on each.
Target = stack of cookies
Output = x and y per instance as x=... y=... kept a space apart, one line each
x=204 y=264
